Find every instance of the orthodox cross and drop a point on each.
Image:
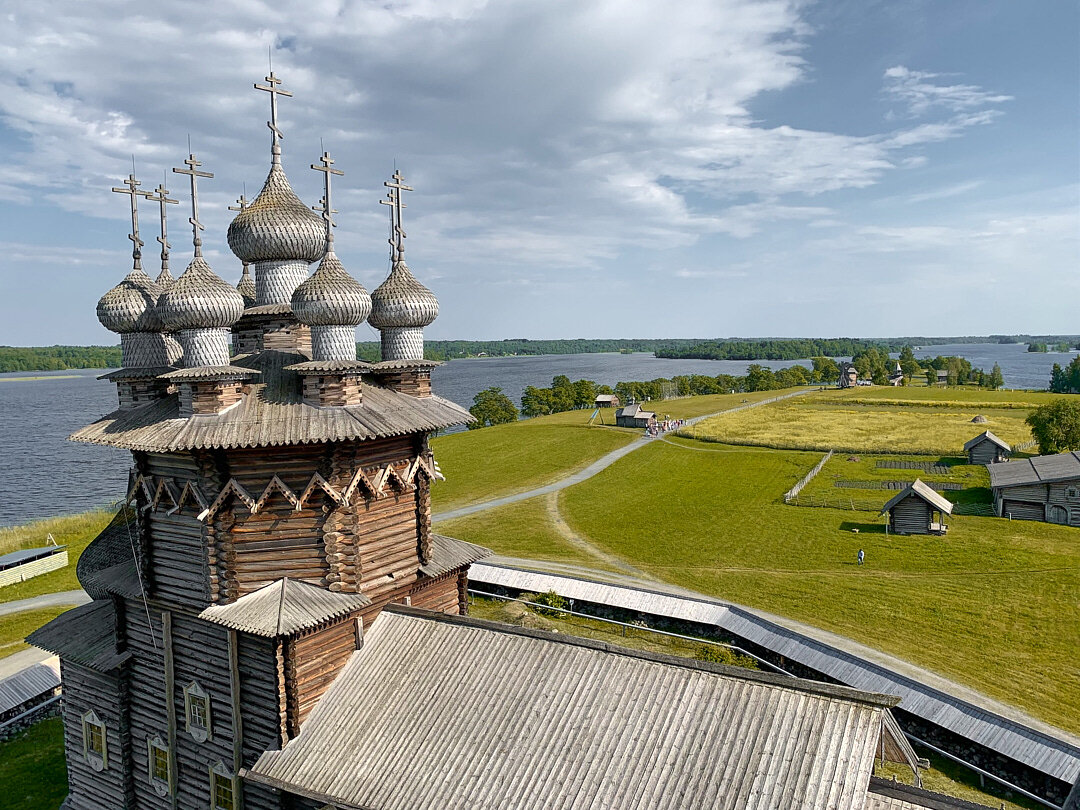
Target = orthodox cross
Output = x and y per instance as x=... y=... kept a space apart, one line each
x=133 y=191
x=241 y=203
x=397 y=235
x=162 y=199
x=272 y=88
x=193 y=172
x=327 y=209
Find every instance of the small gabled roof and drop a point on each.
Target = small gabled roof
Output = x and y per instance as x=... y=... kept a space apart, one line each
x=283 y=608
x=629 y=410
x=923 y=492
x=85 y=635
x=604 y=398
x=448 y=554
x=985 y=436
x=1037 y=470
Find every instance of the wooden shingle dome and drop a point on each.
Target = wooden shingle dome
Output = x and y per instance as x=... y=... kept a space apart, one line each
x=331 y=297
x=200 y=299
x=402 y=302
x=277 y=226
x=131 y=306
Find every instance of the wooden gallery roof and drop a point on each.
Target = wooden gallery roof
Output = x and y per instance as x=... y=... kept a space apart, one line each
x=923 y=492
x=451 y=712
x=272 y=412
x=85 y=635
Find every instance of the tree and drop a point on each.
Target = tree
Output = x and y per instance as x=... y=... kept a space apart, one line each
x=492 y=407
x=1066 y=380
x=535 y=401
x=995 y=379
x=1056 y=426
x=759 y=378
x=909 y=366
x=825 y=370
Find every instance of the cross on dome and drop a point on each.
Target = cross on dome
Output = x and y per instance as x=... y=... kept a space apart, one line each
x=193 y=172
x=161 y=197
x=241 y=203
x=397 y=233
x=272 y=88
x=133 y=191
x=325 y=204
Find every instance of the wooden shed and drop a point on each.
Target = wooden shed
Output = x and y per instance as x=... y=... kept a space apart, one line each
x=986 y=448
x=1041 y=488
x=634 y=416
x=607 y=401
x=918 y=510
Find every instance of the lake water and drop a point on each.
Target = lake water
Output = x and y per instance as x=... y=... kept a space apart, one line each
x=43 y=474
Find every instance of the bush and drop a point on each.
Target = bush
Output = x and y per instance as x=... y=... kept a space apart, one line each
x=543 y=603
x=715 y=654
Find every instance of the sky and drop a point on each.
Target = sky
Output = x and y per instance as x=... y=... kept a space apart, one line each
x=706 y=168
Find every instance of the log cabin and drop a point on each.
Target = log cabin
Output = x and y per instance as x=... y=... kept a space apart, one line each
x=1043 y=488
x=918 y=509
x=274 y=624
x=634 y=416
x=986 y=448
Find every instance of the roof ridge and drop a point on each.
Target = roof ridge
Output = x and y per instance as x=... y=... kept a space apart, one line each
x=281 y=602
x=820 y=689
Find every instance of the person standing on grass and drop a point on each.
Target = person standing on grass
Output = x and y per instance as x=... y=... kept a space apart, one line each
x=862 y=556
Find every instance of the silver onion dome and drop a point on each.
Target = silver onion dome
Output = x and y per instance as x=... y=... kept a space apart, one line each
x=246 y=288
x=165 y=279
x=131 y=306
x=200 y=299
x=277 y=226
x=331 y=297
x=402 y=302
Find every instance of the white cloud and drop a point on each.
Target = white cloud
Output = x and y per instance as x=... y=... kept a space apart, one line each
x=921 y=95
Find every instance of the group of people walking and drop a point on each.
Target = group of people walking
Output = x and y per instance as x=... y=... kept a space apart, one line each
x=664 y=426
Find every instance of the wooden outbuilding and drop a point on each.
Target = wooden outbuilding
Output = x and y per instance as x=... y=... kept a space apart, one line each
x=634 y=416
x=986 y=448
x=942 y=376
x=1042 y=488
x=918 y=510
x=607 y=401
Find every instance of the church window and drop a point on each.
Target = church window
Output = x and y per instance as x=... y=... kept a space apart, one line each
x=159 y=766
x=222 y=788
x=95 y=741
x=197 y=711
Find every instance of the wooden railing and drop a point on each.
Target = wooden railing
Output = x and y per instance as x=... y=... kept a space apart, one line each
x=806 y=479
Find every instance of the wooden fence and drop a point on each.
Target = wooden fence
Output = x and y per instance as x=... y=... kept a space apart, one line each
x=1020 y=448
x=931 y=467
x=806 y=479
x=44 y=565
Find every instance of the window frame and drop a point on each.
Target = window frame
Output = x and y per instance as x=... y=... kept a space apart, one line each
x=220 y=774
x=98 y=760
x=195 y=695
x=163 y=787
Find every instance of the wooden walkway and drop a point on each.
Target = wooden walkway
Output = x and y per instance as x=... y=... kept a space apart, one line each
x=961 y=710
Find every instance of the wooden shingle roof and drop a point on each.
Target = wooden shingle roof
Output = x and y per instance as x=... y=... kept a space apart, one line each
x=923 y=492
x=283 y=608
x=1037 y=470
x=448 y=554
x=515 y=718
x=85 y=635
x=888 y=795
x=986 y=435
x=271 y=413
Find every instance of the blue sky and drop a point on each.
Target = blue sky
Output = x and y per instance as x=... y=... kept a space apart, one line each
x=582 y=169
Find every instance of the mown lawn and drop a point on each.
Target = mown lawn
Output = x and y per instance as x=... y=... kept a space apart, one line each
x=16 y=626
x=824 y=421
x=689 y=407
x=33 y=775
x=995 y=604
x=480 y=465
x=74 y=531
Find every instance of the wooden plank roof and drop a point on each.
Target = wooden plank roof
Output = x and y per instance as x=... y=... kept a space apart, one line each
x=271 y=413
x=450 y=712
x=923 y=492
x=986 y=436
x=283 y=608
x=1049 y=750
x=85 y=635
x=27 y=684
x=1037 y=470
x=448 y=554
x=888 y=795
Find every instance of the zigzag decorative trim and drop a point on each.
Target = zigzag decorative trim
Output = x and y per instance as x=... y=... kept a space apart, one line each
x=377 y=482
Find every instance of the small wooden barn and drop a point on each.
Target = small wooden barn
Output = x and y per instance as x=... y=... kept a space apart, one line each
x=918 y=510
x=607 y=401
x=634 y=416
x=1041 y=488
x=942 y=376
x=986 y=448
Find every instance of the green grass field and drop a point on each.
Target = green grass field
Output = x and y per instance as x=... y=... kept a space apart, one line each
x=995 y=604
x=838 y=421
x=33 y=774
x=74 y=531
x=689 y=407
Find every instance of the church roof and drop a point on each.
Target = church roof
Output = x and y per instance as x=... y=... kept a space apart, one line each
x=276 y=225
x=448 y=554
x=85 y=635
x=283 y=608
x=887 y=795
x=271 y=413
x=401 y=301
x=330 y=296
x=514 y=717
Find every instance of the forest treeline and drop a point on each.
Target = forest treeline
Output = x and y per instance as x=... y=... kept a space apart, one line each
x=58 y=358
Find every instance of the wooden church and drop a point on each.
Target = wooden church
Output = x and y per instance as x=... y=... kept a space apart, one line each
x=275 y=625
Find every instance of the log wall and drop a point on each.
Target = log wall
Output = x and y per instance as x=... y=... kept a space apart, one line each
x=910 y=516
x=314 y=660
x=439 y=594
x=86 y=690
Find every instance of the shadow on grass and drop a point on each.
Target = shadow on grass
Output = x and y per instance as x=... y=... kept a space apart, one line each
x=863 y=528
